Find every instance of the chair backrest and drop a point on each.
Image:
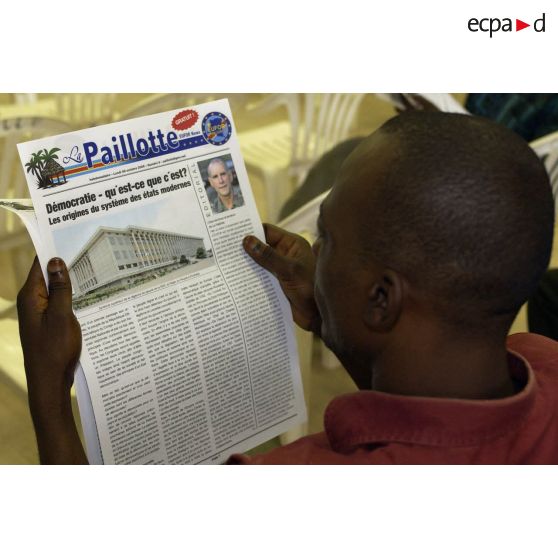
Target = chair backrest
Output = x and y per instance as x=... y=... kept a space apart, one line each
x=84 y=110
x=304 y=220
x=550 y=162
x=17 y=130
x=545 y=145
x=547 y=150
x=163 y=102
x=25 y=98
x=327 y=121
x=318 y=122
x=13 y=236
x=444 y=102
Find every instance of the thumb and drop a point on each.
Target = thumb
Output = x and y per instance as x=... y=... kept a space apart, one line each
x=32 y=297
x=59 y=288
x=266 y=256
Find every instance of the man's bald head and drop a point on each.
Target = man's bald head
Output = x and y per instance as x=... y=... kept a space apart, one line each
x=459 y=205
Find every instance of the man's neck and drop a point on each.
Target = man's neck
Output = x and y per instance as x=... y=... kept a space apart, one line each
x=444 y=366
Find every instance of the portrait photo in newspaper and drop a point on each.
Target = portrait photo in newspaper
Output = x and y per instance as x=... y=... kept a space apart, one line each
x=221 y=183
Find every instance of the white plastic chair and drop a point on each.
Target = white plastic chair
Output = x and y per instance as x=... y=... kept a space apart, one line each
x=442 y=101
x=13 y=236
x=6 y=307
x=163 y=102
x=283 y=152
x=304 y=221
x=84 y=110
x=545 y=145
x=11 y=355
x=25 y=98
x=547 y=150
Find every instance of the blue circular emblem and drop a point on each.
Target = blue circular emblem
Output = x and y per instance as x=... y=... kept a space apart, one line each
x=216 y=128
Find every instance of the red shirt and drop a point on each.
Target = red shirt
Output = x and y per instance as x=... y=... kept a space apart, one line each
x=370 y=427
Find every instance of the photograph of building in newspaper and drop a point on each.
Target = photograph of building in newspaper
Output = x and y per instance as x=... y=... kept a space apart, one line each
x=113 y=254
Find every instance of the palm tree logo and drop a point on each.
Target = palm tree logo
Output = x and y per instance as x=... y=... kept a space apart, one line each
x=48 y=172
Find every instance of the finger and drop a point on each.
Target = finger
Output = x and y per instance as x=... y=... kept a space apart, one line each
x=59 y=288
x=266 y=256
x=33 y=295
x=274 y=234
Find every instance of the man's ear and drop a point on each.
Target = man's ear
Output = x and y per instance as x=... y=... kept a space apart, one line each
x=384 y=301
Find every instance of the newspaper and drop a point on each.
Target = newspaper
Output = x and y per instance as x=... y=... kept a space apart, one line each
x=188 y=352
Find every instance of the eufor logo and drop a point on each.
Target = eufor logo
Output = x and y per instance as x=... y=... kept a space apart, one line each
x=493 y=25
x=216 y=128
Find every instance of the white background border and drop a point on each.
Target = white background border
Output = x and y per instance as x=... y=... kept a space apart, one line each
x=224 y=46
x=286 y=45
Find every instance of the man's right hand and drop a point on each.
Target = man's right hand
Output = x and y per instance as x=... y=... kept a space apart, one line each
x=290 y=258
x=51 y=342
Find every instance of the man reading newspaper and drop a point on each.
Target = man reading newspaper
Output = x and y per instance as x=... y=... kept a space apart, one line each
x=436 y=231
